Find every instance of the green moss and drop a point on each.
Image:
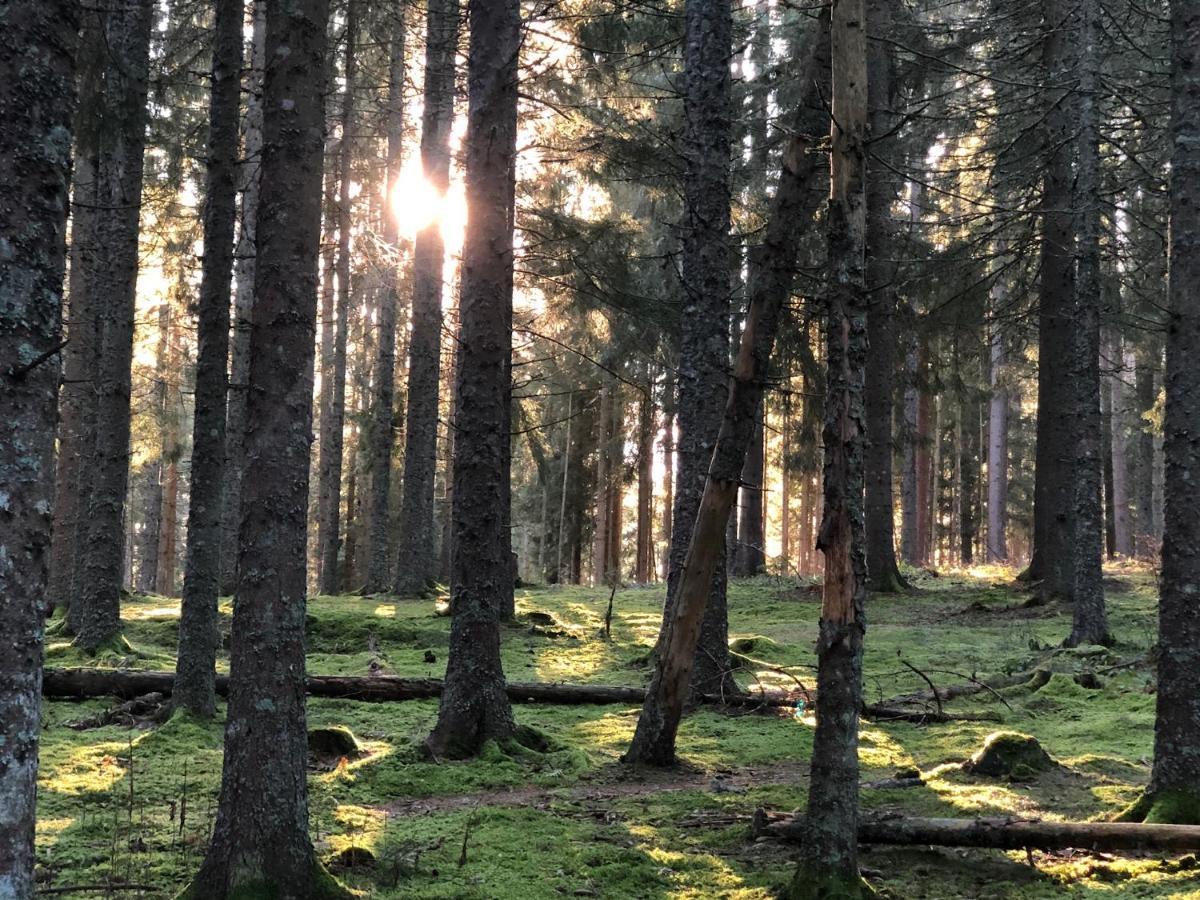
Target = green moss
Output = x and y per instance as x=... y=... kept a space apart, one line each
x=556 y=802
x=808 y=884
x=323 y=886
x=1009 y=754
x=1164 y=808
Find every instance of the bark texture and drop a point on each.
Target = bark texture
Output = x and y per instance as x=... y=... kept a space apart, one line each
x=704 y=328
x=416 y=562
x=794 y=202
x=37 y=98
x=474 y=706
x=382 y=435
x=884 y=572
x=76 y=437
x=260 y=839
x=1053 y=537
x=117 y=164
x=997 y=453
x=333 y=419
x=1089 y=615
x=197 y=660
x=243 y=304
x=1176 y=772
x=1006 y=834
x=829 y=858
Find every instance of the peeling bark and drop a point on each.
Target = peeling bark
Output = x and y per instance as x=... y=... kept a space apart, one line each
x=829 y=857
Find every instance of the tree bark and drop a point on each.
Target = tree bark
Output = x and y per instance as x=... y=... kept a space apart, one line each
x=644 y=567
x=329 y=541
x=243 y=304
x=82 y=683
x=1176 y=773
x=1054 y=479
x=37 y=100
x=1145 y=534
x=474 y=706
x=1122 y=518
x=260 y=839
x=416 y=562
x=794 y=202
x=195 y=668
x=706 y=147
x=997 y=455
x=118 y=166
x=383 y=410
x=884 y=573
x=1089 y=614
x=1002 y=833
x=829 y=858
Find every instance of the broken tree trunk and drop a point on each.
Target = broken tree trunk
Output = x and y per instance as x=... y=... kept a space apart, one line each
x=998 y=833
x=772 y=272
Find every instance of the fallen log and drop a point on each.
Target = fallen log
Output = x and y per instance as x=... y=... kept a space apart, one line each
x=997 y=833
x=1034 y=679
x=80 y=683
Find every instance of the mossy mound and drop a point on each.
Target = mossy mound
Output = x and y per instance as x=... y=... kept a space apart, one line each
x=333 y=741
x=1009 y=754
x=753 y=643
x=352 y=858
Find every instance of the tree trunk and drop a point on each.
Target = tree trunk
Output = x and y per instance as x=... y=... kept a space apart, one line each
x=383 y=410
x=704 y=339
x=1145 y=535
x=884 y=573
x=1122 y=519
x=997 y=455
x=602 y=532
x=926 y=451
x=243 y=304
x=168 y=499
x=329 y=542
x=794 y=202
x=197 y=660
x=76 y=440
x=1003 y=834
x=118 y=167
x=752 y=541
x=909 y=503
x=37 y=99
x=1054 y=476
x=474 y=707
x=416 y=562
x=829 y=858
x=644 y=567
x=82 y=683
x=668 y=503
x=1173 y=782
x=1089 y=614
x=260 y=839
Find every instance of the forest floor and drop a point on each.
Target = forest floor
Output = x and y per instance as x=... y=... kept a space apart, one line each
x=134 y=805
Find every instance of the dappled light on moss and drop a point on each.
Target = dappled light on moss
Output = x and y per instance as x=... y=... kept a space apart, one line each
x=584 y=823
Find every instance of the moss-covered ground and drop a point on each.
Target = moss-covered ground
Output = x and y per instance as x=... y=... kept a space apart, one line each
x=134 y=805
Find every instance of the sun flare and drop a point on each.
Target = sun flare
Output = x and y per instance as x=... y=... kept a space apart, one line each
x=418 y=204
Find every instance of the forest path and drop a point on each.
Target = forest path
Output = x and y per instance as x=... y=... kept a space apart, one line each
x=616 y=782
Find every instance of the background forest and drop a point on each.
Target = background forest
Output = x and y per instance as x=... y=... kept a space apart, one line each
x=436 y=436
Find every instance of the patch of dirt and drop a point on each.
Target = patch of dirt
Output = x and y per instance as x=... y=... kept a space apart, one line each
x=613 y=783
